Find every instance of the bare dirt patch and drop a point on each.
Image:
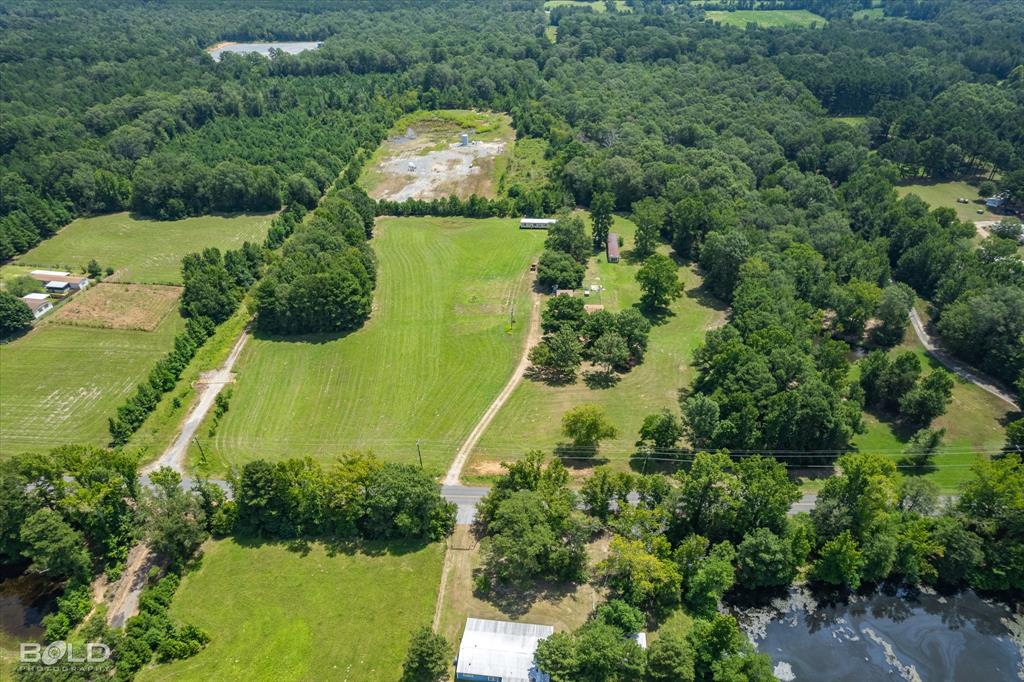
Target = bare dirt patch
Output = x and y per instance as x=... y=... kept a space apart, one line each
x=429 y=161
x=120 y=306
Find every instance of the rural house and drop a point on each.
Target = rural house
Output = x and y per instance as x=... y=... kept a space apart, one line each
x=536 y=223
x=613 y=247
x=39 y=304
x=47 y=277
x=499 y=651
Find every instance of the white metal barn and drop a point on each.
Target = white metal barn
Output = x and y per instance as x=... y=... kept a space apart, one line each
x=499 y=651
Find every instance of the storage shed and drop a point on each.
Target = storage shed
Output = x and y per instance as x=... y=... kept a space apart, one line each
x=613 y=247
x=500 y=651
x=39 y=304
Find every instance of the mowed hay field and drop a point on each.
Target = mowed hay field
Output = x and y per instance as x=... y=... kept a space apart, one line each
x=767 y=18
x=434 y=354
x=59 y=383
x=142 y=251
x=532 y=417
x=275 y=613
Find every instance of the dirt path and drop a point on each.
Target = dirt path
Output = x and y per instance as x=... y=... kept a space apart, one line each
x=532 y=338
x=961 y=370
x=210 y=387
x=123 y=595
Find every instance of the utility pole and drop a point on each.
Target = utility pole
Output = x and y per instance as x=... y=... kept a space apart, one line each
x=418 y=453
x=202 y=453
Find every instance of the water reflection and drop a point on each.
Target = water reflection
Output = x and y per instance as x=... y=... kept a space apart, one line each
x=889 y=635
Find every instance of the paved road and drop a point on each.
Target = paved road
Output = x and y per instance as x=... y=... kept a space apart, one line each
x=931 y=344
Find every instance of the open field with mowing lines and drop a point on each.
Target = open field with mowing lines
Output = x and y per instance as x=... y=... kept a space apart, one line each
x=945 y=194
x=120 y=306
x=427 y=364
x=142 y=251
x=278 y=613
x=767 y=18
x=59 y=383
x=532 y=416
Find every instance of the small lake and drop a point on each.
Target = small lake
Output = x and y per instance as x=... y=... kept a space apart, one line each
x=263 y=48
x=23 y=603
x=917 y=637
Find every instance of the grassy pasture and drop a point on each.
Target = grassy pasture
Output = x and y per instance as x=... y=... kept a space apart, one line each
x=974 y=423
x=532 y=416
x=766 y=18
x=275 y=613
x=142 y=251
x=59 y=383
x=851 y=120
x=527 y=168
x=945 y=194
x=435 y=352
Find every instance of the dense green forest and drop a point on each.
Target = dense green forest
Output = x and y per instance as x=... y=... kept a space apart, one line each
x=727 y=133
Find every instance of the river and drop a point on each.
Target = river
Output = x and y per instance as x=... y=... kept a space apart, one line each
x=887 y=636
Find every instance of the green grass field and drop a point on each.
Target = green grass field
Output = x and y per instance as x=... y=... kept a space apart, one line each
x=532 y=416
x=435 y=353
x=60 y=383
x=274 y=613
x=973 y=423
x=526 y=168
x=872 y=13
x=945 y=195
x=850 y=120
x=143 y=251
x=767 y=18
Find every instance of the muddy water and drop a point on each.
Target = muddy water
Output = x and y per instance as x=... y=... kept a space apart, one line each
x=23 y=603
x=263 y=48
x=890 y=637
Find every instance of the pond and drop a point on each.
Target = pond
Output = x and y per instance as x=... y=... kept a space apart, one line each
x=918 y=637
x=23 y=603
x=261 y=48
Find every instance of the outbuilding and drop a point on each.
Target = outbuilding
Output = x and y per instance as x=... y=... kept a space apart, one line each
x=500 y=651
x=58 y=288
x=536 y=223
x=613 y=247
x=39 y=304
x=75 y=282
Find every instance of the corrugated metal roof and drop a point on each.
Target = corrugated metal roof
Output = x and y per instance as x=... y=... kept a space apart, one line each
x=500 y=649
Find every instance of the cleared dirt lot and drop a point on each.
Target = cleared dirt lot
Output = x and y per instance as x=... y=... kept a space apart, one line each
x=120 y=306
x=427 y=160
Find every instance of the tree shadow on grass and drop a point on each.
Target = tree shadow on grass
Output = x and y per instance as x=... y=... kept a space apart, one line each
x=516 y=601
x=543 y=376
x=703 y=296
x=335 y=545
x=656 y=315
x=579 y=456
x=600 y=379
x=312 y=339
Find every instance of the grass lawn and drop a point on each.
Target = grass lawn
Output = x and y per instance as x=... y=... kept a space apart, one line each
x=274 y=613
x=434 y=354
x=532 y=416
x=142 y=251
x=872 y=13
x=945 y=194
x=60 y=383
x=566 y=606
x=851 y=120
x=766 y=18
x=974 y=423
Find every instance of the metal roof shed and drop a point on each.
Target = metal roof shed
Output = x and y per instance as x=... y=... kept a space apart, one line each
x=499 y=651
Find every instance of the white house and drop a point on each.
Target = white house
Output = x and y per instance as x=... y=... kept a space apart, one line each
x=39 y=304
x=536 y=223
x=48 y=277
x=499 y=651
